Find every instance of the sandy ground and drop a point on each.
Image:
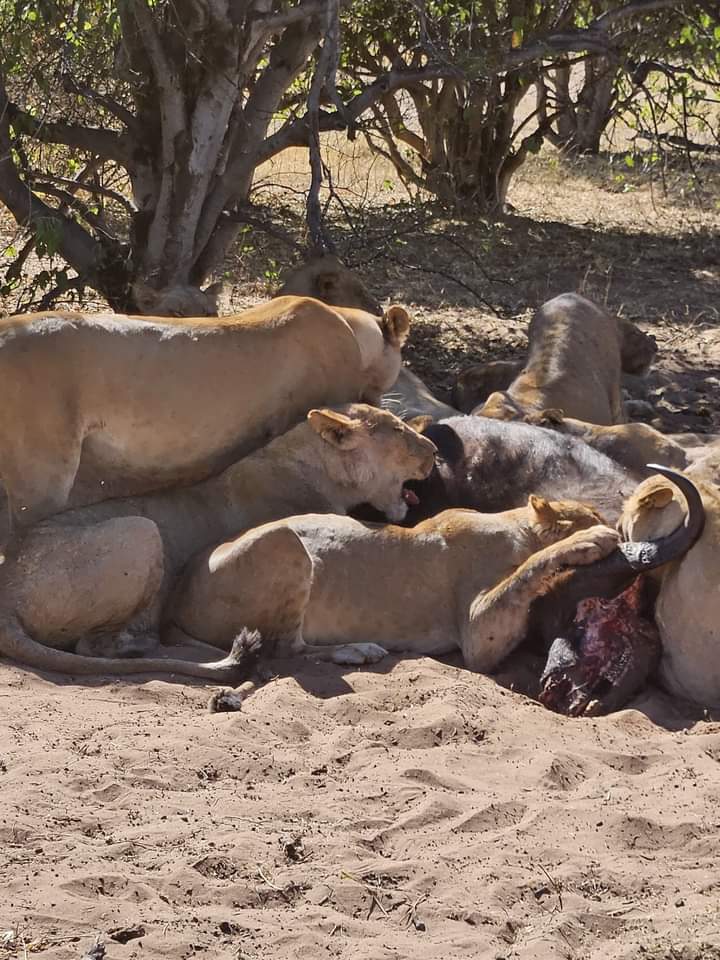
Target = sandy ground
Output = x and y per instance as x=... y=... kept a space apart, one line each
x=413 y=810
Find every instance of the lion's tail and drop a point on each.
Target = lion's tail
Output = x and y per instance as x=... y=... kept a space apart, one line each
x=18 y=645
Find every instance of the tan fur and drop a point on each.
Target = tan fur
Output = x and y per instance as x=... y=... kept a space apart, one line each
x=93 y=579
x=158 y=401
x=476 y=383
x=573 y=365
x=633 y=445
x=328 y=279
x=705 y=462
x=461 y=579
x=687 y=610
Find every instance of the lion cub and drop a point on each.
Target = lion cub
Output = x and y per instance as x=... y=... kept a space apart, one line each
x=325 y=585
x=573 y=364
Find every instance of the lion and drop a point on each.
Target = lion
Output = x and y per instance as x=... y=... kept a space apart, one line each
x=88 y=585
x=633 y=445
x=476 y=383
x=328 y=279
x=151 y=402
x=352 y=591
x=687 y=610
x=573 y=365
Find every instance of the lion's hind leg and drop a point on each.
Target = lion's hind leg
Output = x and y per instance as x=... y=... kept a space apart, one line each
x=261 y=580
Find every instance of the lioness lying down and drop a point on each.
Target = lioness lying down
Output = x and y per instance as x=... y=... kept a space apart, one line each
x=687 y=610
x=573 y=364
x=154 y=402
x=352 y=591
x=93 y=580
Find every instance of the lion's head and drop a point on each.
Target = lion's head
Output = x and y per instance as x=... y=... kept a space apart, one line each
x=475 y=384
x=326 y=278
x=654 y=510
x=372 y=454
x=553 y=520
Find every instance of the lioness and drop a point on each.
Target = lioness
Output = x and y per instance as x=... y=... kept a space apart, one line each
x=92 y=580
x=461 y=579
x=328 y=279
x=573 y=364
x=687 y=610
x=160 y=401
x=631 y=444
x=475 y=384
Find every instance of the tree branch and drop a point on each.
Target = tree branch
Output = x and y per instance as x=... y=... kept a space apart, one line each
x=296 y=133
x=70 y=85
x=105 y=143
x=324 y=78
x=75 y=245
x=173 y=122
x=95 y=189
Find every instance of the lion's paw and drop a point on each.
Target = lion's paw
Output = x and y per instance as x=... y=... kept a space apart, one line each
x=354 y=654
x=588 y=546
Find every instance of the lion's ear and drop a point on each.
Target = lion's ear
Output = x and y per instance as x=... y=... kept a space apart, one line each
x=335 y=428
x=395 y=325
x=656 y=499
x=420 y=424
x=541 y=507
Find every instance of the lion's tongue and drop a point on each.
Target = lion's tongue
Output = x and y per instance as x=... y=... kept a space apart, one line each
x=410 y=497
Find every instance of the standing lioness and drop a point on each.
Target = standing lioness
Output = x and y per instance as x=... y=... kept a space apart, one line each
x=150 y=402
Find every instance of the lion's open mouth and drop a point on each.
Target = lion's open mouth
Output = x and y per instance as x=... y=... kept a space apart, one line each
x=410 y=497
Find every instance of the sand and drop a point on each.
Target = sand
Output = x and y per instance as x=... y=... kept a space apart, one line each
x=411 y=810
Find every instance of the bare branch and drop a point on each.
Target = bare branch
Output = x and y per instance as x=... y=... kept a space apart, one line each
x=324 y=78
x=634 y=9
x=72 y=202
x=105 y=143
x=74 y=244
x=296 y=133
x=112 y=106
x=243 y=215
x=680 y=142
x=95 y=189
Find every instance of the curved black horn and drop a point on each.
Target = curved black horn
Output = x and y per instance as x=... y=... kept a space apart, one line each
x=644 y=555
